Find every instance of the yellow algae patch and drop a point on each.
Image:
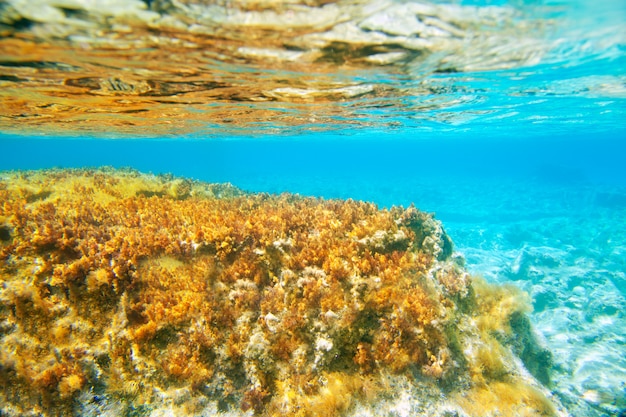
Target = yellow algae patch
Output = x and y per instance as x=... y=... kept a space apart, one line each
x=99 y=186
x=70 y=384
x=120 y=289
x=335 y=393
x=506 y=399
x=497 y=304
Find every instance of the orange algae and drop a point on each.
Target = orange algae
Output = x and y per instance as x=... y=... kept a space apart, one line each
x=136 y=290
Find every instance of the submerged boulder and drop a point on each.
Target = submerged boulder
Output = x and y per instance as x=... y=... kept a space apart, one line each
x=123 y=295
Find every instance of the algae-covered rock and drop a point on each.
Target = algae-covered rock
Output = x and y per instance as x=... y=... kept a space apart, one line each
x=128 y=294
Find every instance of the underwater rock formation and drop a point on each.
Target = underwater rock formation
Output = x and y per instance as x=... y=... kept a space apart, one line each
x=130 y=294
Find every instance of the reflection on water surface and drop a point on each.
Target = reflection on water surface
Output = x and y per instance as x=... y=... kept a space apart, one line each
x=186 y=67
x=163 y=67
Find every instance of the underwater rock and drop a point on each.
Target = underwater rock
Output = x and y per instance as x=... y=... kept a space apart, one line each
x=531 y=261
x=129 y=294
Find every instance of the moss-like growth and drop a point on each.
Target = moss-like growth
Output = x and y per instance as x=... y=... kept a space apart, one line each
x=158 y=291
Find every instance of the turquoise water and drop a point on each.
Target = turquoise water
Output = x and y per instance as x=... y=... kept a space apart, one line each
x=547 y=214
x=524 y=165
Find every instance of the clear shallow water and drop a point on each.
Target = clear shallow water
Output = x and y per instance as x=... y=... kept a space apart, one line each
x=514 y=135
x=547 y=214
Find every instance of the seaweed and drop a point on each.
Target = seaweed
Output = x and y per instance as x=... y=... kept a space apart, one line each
x=267 y=304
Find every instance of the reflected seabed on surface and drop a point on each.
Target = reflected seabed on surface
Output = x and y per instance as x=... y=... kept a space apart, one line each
x=177 y=68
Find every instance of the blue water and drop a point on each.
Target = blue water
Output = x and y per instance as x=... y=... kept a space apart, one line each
x=525 y=167
x=375 y=167
x=545 y=213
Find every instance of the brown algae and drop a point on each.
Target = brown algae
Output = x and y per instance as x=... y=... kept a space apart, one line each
x=125 y=294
